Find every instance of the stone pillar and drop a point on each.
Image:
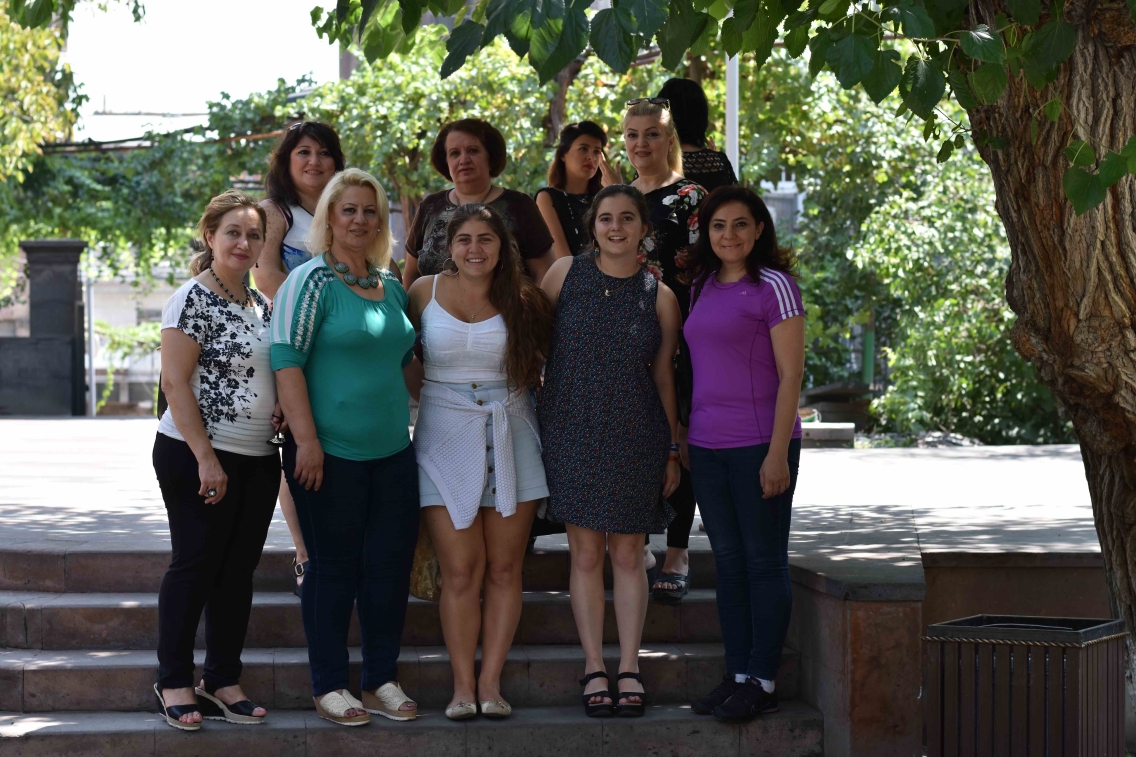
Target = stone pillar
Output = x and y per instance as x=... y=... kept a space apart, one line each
x=44 y=374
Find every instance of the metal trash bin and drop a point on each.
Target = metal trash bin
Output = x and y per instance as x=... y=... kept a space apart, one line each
x=1020 y=685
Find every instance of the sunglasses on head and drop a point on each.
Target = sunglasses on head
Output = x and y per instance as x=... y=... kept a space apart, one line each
x=662 y=101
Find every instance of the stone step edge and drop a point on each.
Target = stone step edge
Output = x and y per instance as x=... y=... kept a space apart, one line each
x=796 y=731
x=534 y=675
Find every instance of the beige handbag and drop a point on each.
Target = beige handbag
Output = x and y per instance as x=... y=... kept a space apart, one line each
x=425 y=575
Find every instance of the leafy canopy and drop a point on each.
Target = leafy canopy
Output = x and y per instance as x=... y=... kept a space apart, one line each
x=924 y=49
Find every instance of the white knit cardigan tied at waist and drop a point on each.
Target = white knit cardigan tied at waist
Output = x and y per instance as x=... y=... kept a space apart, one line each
x=449 y=439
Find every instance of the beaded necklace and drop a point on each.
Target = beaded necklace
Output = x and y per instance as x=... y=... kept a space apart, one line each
x=350 y=279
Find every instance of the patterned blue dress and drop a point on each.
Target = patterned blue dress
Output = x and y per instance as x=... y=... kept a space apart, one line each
x=603 y=428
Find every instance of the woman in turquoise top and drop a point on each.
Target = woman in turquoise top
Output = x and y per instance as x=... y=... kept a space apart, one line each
x=342 y=352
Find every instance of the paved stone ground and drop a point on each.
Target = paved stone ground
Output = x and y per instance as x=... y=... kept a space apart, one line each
x=90 y=482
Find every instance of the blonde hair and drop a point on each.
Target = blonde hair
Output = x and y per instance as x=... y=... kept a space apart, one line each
x=218 y=207
x=319 y=236
x=651 y=110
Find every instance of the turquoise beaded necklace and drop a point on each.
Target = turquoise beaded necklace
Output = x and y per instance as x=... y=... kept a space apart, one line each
x=366 y=282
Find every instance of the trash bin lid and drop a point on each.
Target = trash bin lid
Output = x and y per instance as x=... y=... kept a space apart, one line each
x=1027 y=628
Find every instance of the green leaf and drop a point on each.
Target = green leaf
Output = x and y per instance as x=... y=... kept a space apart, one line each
x=851 y=58
x=884 y=77
x=796 y=41
x=833 y=10
x=559 y=41
x=962 y=91
x=519 y=34
x=1129 y=152
x=818 y=46
x=411 y=14
x=1080 y=153
x=1026 y=12
x=499 y=16
x=798 y=19
x=1132 y=9
x=760 y=38
x=1085 y=190
x=705 y=42
x=945 y=152
x=544 y=11
x=732 y=37
x=649 y=15
x=989 y=81
x=463 y=42
x=922 y=86
x=683 y=26
x=1053 y=109
x=745 y=11
x=612 y=43
x=1113 y=168
x=1051 y=45
x=342 y=8
x=913 y=19
x=981 y=44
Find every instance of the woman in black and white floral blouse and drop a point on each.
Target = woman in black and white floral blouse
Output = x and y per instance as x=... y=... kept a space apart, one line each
x=654 y=150
x=217 y=470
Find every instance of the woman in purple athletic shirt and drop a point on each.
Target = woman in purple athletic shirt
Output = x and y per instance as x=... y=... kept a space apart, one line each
x=746 y=332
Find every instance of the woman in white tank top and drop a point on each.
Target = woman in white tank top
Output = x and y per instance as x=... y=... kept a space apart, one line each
x=299 y=169
x=485 y=329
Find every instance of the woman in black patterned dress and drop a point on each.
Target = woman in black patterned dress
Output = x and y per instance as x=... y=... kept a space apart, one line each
x=652 y=143
x=609 y=428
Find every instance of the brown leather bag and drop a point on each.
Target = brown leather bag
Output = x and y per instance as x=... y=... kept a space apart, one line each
x=425 y=574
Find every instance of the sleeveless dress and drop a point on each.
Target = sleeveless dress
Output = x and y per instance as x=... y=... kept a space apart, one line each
x=605 y=431
x=570 y=210
x=468 y=410
x=294 y=248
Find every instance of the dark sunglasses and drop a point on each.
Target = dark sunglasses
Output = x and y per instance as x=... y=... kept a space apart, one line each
x=664 y=102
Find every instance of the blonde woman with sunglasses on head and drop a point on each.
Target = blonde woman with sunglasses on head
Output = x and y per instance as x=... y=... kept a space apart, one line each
x=654 y=149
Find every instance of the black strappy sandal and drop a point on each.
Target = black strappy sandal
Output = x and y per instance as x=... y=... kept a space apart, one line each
x=671 y=596
x=298 y=571
x=240 y=712
x=174 y=712
x=630 y=709
x=597 y=709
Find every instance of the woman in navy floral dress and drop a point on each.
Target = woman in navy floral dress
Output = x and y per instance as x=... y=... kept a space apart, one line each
x=609 y=428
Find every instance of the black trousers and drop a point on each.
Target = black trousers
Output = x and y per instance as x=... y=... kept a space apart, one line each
x=682 y=500
x=216 y=548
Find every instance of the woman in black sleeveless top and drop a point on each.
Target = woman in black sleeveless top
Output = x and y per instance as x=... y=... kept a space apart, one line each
x=578 y=170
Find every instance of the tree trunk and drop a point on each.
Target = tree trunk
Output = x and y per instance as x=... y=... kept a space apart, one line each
x=554 y=119
x=1072 y=280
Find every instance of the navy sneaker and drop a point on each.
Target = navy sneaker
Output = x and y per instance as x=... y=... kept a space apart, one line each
x=707 y=704
x=749 y=701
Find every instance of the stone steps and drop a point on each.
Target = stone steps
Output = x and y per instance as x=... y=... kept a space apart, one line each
x=98 y=567
x=30 y=620
x=534 y=676
x=671 y=730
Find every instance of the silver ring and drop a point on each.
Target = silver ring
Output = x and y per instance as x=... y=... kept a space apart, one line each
x=211 y=493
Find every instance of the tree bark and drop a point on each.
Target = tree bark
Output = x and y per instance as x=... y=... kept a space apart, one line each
x=554 y=119
x=1072 y=280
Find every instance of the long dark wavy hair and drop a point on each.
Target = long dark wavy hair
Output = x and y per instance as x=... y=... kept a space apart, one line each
x=557 y=173
x=701 y=262
x=278 y=184
x=624 y=190
x=525 y=309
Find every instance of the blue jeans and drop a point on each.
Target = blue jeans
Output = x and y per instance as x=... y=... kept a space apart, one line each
x=360 y=529
x=750 y=539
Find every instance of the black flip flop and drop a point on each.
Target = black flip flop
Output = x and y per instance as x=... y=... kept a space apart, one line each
x=671 y=596
x=175 y=711
x=240 y=712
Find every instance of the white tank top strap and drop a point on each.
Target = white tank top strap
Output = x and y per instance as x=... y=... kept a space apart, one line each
x=434 y=288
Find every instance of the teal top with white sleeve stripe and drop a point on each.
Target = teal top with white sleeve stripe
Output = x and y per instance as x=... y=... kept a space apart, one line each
x=352 y=351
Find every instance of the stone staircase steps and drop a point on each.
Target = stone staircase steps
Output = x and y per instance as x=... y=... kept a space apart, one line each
x=30 y=620
x=534 y=676
x=96 y=567
x=670 y=730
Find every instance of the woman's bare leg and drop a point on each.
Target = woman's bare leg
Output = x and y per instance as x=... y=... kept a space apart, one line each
x=587 y=590
x=461 y=556
x=505 y=541
x=630 y=582
x=288 y=507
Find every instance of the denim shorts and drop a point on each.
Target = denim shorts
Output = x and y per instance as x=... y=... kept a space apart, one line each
x=531 y=483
